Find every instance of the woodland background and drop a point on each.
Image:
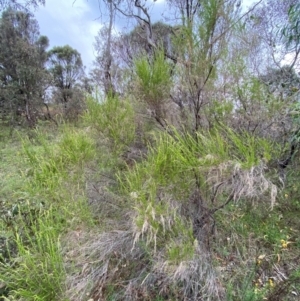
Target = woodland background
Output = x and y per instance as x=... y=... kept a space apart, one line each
x=169 y=171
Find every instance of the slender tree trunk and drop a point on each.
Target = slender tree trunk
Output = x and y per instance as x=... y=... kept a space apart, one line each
x=108 y=85
x=29 y=115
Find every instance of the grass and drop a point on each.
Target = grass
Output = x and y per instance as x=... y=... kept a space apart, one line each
x=266 y=240
x=49 y=199
x=37 y=272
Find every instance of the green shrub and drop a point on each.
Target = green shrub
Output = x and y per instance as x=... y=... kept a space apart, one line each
x=76 y=147
x=154 y=79
x=114 y=119
x=178 y=166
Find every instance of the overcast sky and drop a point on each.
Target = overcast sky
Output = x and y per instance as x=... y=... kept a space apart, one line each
x=76 y=23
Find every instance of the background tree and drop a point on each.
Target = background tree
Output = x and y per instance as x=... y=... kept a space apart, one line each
x=15 y=4
x=131 y=45
x=124 y=49
x=107 y=57
x=66 y=68
x=291 y=32
x=23 y=74
x=105 y=73
x=264 y=35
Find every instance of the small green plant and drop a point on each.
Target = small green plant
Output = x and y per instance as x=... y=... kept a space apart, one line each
x=75 y=146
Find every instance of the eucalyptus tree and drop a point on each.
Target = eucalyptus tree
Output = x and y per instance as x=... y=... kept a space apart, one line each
x=267 y=31
x=66 y=67
x=291 y=32
x=269 y=89
x=23 y=75
x=104 y=63
x=134 y=43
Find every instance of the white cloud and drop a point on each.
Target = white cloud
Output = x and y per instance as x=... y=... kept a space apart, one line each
x=70 y=22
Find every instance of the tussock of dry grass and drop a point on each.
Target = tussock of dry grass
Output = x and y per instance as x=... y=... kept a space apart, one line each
x=196 y=279
x=91 y=259
x=112 y=260
x=243 y=183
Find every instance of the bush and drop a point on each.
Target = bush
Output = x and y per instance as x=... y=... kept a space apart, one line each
x=176 y=191
x=114 y=119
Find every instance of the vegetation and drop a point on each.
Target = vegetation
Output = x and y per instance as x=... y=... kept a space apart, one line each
x=23 y=76
x=176 y=181
x=66 y=68
x=28 y=72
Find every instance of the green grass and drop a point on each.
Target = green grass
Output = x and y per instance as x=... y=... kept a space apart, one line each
x=42 y=198
x=37 y=271
x=267 y=240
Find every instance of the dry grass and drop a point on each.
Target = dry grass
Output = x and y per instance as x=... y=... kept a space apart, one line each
x=111 y=264
x=229 y=177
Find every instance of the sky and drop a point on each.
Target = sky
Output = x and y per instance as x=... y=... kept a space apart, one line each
x=73 y=23
x=77 y=22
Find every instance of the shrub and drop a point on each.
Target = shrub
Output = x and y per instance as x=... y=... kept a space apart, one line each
x=114 y=119
x=178 y=188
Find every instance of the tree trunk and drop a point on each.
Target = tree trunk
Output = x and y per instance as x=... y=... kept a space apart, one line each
x=108 y=85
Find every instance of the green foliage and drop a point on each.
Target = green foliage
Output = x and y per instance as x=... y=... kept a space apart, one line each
x=66 y=68
x=49 y=199
x=273 y=243
x=245 y=291
x=37 y=273
x=154 y=80
x=49 y=164
x=182 y=245
x=219 y=111
x=23 y=75
x=284 y=80
x=114 y=118
x=158 y=191
x=76 y=147
x=194 y=213
x=175 y=155
x=291 y=32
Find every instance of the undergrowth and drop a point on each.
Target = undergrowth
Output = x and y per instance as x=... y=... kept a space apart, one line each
x=191 y=217
x=47 y=200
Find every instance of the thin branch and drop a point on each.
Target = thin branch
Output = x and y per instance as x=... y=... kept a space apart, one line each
x=216 y=192
x=129 y=15
x=238 y=20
